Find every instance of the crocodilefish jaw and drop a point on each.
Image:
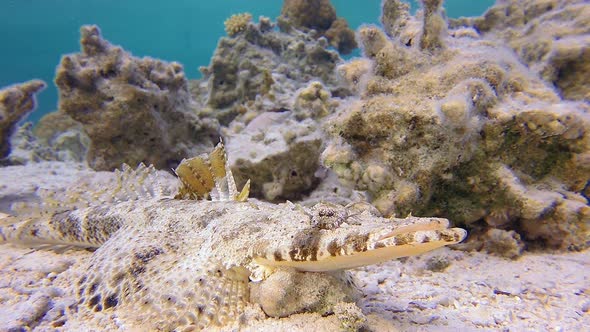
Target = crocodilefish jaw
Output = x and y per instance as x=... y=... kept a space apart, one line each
x=349 y=246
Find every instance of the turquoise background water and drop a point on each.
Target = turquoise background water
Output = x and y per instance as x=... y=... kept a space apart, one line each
x=35 y=33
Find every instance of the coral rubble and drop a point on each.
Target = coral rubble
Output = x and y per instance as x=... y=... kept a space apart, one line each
x=133 y=110
x=16 y=102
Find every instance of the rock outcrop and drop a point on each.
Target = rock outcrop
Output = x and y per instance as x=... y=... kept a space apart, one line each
x=133 y=110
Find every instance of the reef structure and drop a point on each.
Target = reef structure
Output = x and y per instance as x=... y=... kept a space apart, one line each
x=451 y=123
x=447 y=123
x=468 y=122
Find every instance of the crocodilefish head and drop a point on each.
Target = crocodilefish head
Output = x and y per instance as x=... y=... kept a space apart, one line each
x=338 y=238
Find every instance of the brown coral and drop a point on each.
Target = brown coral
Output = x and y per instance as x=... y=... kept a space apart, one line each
x=312 y=14
x=319 y=15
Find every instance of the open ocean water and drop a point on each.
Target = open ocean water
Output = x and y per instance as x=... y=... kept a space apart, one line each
x=34 y=34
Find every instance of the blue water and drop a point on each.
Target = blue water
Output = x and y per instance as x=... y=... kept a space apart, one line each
x=35 y=33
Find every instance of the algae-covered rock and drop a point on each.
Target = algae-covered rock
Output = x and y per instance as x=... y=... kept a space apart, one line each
x=133 y=110
x=16 y=102
x=26 y=148
x=55 y=137
x=457 y=126
x=394 y=16
x=434 y=26
x=503 y=243
x=314 y=14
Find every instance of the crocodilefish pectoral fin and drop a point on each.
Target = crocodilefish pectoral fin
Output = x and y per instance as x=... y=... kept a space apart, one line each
x=156 y=285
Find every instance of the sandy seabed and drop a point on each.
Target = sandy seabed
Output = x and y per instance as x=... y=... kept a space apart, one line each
x=539 y=291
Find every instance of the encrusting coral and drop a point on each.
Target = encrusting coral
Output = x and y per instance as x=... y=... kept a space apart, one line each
x=457 y=126
x=16 y=102
x=133 y=110
x=170 y=264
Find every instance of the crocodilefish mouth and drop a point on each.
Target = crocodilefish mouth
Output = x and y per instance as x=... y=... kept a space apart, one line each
x=351 y=246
